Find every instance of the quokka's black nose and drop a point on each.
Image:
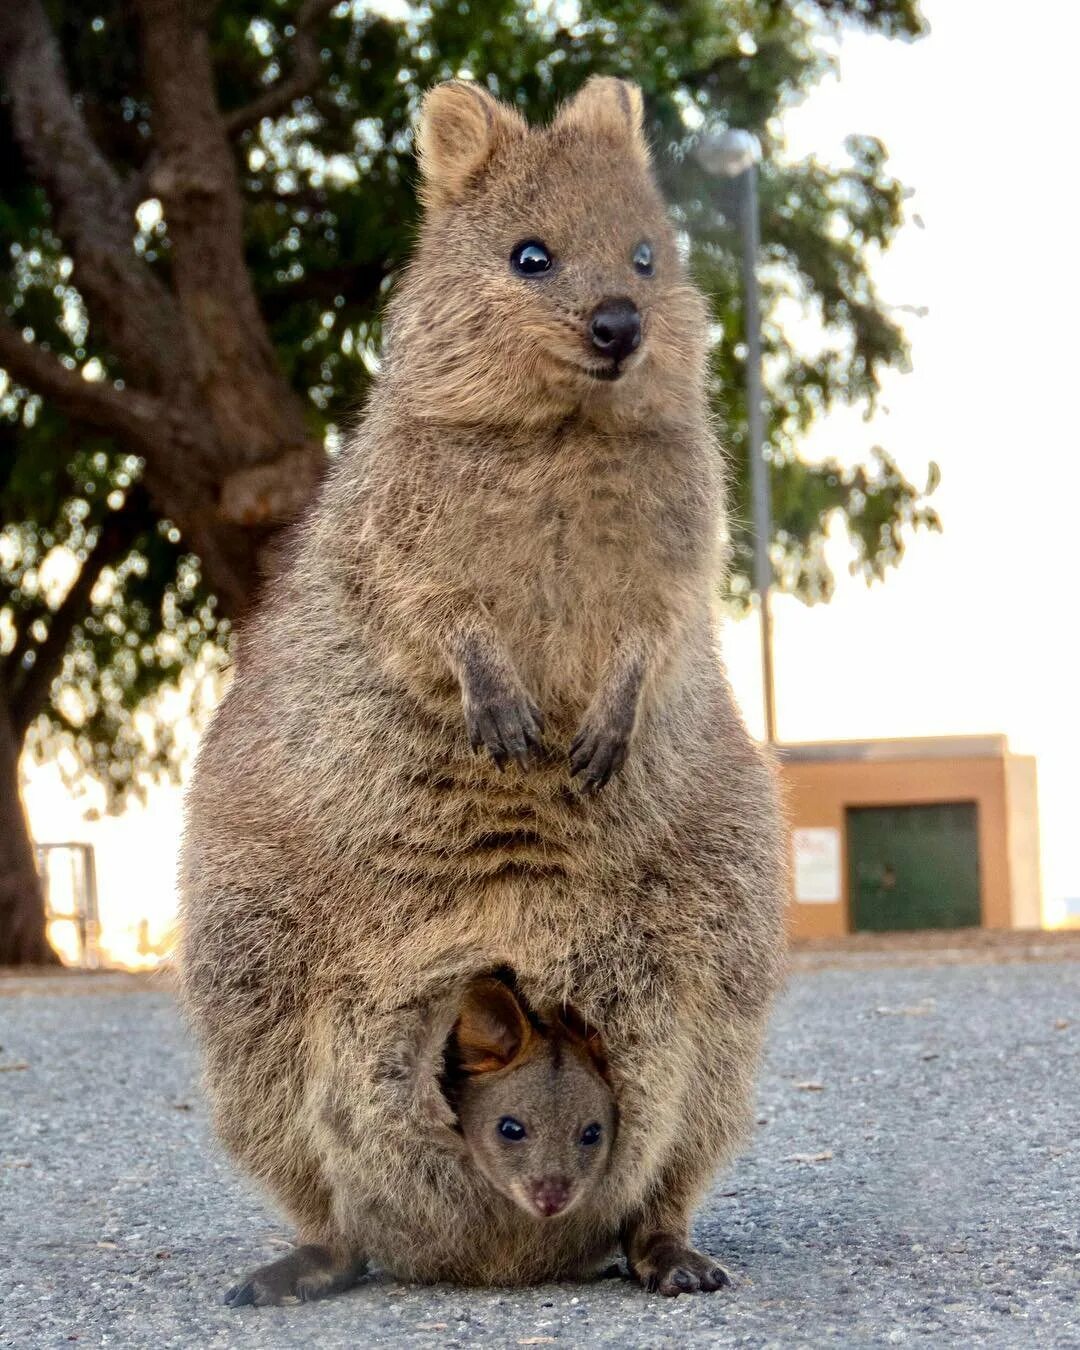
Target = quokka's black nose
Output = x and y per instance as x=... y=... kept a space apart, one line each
x=615 y=328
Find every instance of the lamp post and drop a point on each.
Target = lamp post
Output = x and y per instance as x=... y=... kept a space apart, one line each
x=735 y=155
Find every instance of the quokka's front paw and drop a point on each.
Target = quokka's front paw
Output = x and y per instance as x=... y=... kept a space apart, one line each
x=301 y=1276
x=507 y=723
x=598 y=753
x=666 y=1265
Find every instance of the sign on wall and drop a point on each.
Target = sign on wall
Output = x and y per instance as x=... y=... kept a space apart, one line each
x=817 y=865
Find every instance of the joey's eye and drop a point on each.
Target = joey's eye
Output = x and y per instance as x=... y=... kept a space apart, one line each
x=531 y=258
x=512 y=1129
x=642 y=258
x=591 y=1134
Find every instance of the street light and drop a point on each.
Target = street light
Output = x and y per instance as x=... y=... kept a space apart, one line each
x=735 y=154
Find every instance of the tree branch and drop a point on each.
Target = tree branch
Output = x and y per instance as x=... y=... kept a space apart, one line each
x=30 y=687
x=134 y=310
x=130 y=415
x=307 y=69
x=200 y=350
x=254 y=413
x=51 y=132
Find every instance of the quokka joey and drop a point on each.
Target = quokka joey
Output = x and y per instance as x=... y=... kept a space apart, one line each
x=479 y=721
x=533 y=1103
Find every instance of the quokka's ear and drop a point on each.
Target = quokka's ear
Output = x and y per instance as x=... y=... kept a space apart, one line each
x=578 y=1032
x=492 y=1030
x=610 y=109
x=460 y=127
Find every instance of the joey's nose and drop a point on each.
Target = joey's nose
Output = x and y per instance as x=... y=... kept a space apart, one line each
x=550 y=1195
x=615 y=328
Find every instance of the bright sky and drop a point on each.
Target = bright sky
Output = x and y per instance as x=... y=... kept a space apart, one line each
x=975 y=632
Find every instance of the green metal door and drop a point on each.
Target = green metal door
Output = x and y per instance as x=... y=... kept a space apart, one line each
x=913 y=866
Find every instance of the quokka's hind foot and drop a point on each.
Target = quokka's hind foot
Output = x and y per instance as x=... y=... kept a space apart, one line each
x=304 y=1274
x=666 y=1265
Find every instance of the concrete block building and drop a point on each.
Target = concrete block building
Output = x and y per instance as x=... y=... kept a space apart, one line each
x=909 y=834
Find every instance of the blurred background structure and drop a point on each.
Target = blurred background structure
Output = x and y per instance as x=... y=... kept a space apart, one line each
x=733 y=154
x=201 y=211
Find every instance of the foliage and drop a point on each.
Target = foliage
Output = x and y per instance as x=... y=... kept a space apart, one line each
x=149 y=619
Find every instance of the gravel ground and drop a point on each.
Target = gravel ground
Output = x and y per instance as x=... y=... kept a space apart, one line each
x=913 y=1181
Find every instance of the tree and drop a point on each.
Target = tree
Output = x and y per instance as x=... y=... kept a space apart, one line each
x=201 y=207
x=103 y=606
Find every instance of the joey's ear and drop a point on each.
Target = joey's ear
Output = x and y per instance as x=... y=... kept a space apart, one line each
x=578 y=1032
x=460 y=127
x=492 y=1030
x=610 y=109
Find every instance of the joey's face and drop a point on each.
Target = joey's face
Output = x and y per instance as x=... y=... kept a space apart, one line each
x=541 y=1130
x=535 y=1106
x=548 y=274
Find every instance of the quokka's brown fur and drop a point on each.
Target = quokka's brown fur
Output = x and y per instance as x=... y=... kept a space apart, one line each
x=507 y=531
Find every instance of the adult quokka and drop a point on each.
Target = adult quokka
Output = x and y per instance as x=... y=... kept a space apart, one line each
x=480 y=723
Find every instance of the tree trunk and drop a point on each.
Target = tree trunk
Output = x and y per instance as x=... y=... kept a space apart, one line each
x=228 y=452
x=22 y=903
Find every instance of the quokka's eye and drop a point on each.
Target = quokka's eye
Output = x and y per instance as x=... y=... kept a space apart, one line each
x=642 y=258
x=531 y=258
x=511 y=1129
x=591 y=1134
